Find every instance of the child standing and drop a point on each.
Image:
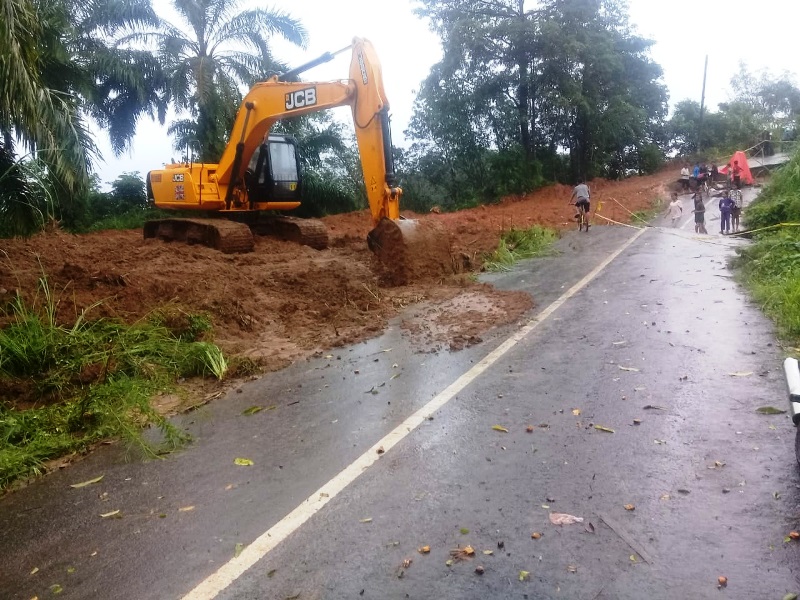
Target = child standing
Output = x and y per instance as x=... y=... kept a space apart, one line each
x=699 y=213
x=675 y=209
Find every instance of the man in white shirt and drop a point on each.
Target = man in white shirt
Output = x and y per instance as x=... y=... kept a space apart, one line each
x=685 y=178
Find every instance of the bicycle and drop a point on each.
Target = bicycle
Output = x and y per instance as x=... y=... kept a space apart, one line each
x=583 y=221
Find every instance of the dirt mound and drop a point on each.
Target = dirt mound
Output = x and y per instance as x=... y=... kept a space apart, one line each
x=283 y=301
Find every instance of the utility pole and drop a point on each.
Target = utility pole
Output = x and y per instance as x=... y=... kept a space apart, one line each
x=702 y=108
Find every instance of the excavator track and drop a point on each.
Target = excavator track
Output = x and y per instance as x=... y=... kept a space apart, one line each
x=226 y=236
x=308 y=232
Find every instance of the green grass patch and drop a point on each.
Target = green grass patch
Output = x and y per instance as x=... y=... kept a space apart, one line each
x=66 y=387
x=770 y=268
x=517 y=244
x=645 y=216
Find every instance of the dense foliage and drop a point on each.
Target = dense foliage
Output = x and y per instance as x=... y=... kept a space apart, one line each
x=771 y=266
x=561 y=91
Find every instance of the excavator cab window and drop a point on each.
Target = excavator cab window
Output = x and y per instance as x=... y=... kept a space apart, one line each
x=273 y=173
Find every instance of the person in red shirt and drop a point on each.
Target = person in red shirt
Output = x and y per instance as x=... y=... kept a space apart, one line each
x=737 y=175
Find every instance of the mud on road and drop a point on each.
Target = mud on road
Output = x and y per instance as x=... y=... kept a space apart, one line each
x=282 y=301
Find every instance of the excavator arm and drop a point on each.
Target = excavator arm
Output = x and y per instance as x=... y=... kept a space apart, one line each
x=273 y=100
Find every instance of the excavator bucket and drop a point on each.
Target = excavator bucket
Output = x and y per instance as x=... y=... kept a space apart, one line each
x=410 y=250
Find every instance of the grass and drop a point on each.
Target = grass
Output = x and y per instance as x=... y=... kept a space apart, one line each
x=770 y=267
x=518 y=244
x=645 y=216
x=66 y=387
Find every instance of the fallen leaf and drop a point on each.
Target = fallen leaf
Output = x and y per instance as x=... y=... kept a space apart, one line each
x=564 y=519
x=769 y=410
x=237 y=550
x=252 y=410
x=448 y=563
x=35 y=571
x=629 y=507
x=659 y=442
x=722 y=580
x=632 y=558
x=499 y=428
x=468 y=550
x=776 y=495
x=654 y=407
x=70 y=570
x=524 y=575
x=572 y=569
x=790 y=597
x=639 y=389
x=488 y=552
x=741 y=374
x=536 y=535
x=387 y=350
x=395 y=376
x=186 y=508
x=56 y=589
x=88 y=482
x=589 y=528
x=529 y=429
x=601 y=428
x=464 y=531
x=243 y=462
x=576 y=412
x=424 y=550
x=113 y=513
x=637 y=421
x=618 y=343
x=545 y=506
x=367 y=520
x=628 y=368
x=664 y=497
x=271 y=573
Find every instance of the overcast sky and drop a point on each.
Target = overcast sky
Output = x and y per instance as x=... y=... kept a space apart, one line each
x=684 y=31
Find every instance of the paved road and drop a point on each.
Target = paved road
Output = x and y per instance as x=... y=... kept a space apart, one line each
x=714 y=484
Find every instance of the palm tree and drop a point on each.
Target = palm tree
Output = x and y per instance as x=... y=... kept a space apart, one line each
x=218 y=50
x=58 y=64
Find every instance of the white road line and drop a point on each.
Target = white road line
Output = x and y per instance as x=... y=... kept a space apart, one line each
x=234 y=568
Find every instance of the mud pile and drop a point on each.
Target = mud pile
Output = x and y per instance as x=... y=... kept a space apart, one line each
x=283 y=301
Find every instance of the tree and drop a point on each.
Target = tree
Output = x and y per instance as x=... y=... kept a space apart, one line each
x=58 y=65
x=218 y=49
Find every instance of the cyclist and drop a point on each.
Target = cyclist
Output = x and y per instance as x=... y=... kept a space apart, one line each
x=581 y=194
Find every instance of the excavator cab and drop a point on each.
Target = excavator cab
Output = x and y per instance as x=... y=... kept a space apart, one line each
x=273 y=173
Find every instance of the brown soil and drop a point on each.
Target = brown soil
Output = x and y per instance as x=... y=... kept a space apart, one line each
x=284 y=301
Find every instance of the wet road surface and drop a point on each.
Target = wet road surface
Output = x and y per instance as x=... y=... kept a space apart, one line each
x=714 y=484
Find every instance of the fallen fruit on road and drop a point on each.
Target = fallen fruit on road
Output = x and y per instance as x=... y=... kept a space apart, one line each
x=795 y=535
x=529 y=429
x=722 y=581
x=630 y=507
x=524 y=575
x=499 y=428
x=479 y=570
x=536 y=535
x=424 y=549
x=243 y=462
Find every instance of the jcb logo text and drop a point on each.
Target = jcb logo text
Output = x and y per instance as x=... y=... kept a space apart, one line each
x=301 y=98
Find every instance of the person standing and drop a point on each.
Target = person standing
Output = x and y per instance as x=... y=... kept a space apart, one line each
x=685 y=178
x=737 y=175
x=699 y=213
x=714 y=173
x=736 y=211
x=675 y=209
x=725 y=209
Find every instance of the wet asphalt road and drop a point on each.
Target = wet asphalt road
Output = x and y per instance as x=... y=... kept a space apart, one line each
x=664 y=325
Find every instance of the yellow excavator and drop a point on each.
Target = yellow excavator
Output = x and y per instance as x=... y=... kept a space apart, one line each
x=260 y=172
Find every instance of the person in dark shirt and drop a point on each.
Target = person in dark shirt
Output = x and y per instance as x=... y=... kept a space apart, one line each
x=726 y=206
x=699 y=213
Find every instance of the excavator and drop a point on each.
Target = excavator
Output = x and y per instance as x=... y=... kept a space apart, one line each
x=260 y=172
